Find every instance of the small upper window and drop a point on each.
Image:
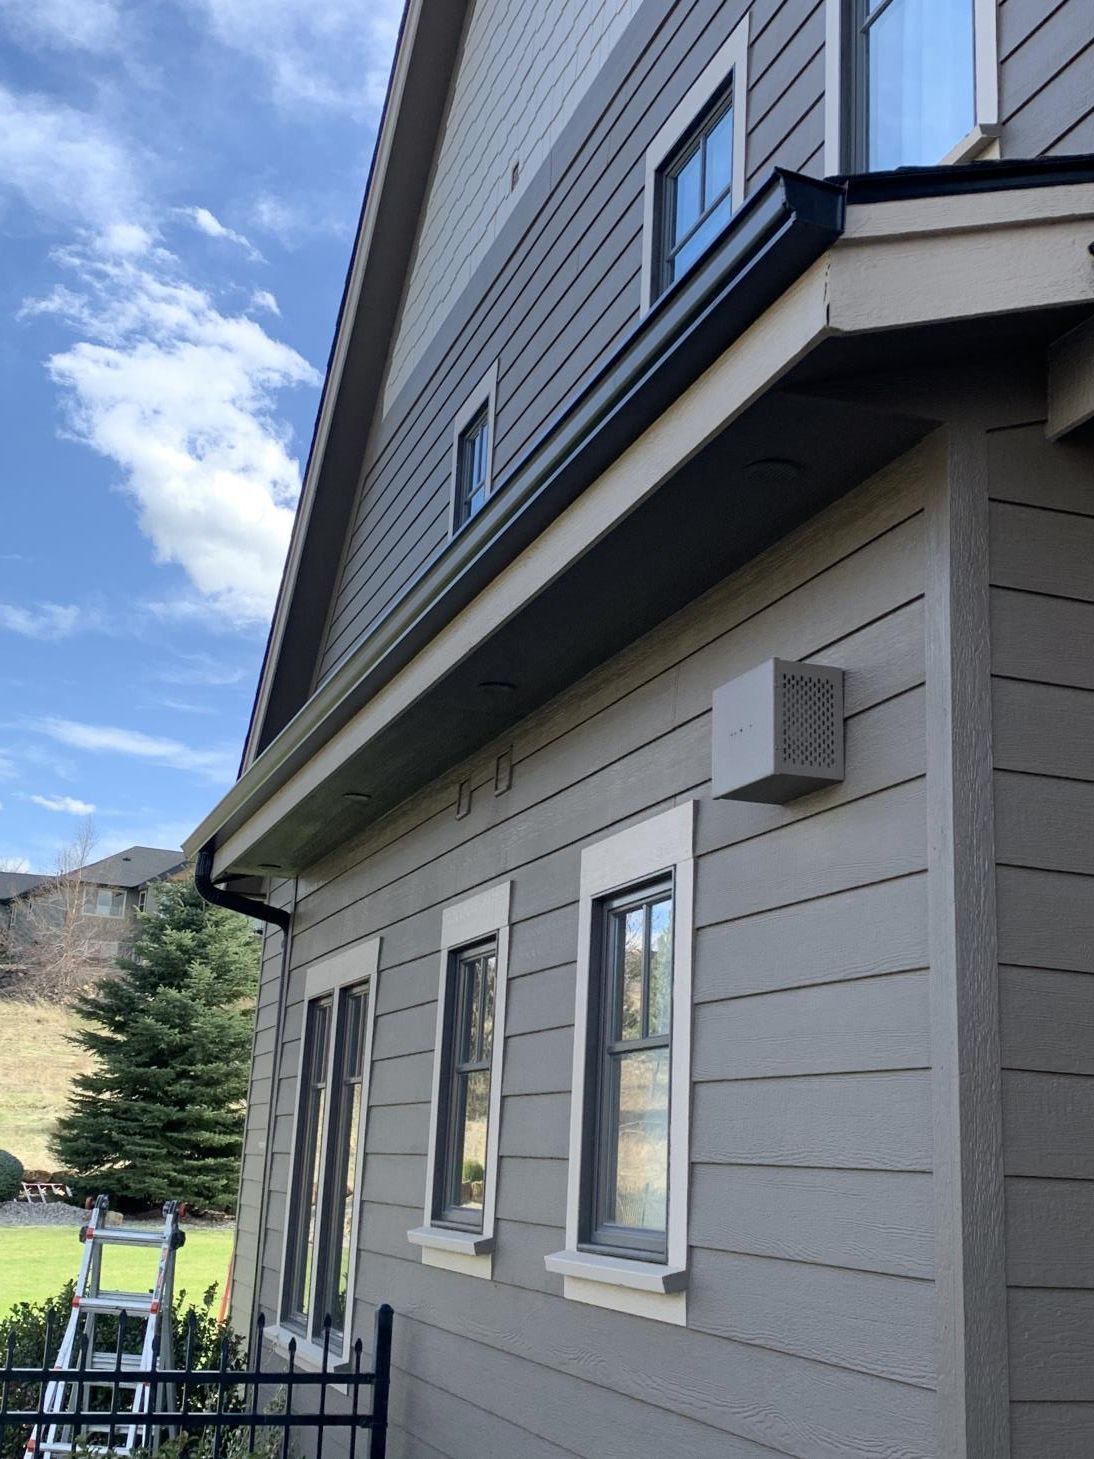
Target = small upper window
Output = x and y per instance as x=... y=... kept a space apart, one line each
x=915 y=70
x=696 y=191
x=460 y=1169
x=473 y=467
x=629 y=1136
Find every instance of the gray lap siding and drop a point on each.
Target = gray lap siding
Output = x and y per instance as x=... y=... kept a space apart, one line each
x=559 y=287
x=811 y=1304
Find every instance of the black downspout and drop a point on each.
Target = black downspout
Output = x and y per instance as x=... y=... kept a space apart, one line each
x=233 y=902
x=219 y=897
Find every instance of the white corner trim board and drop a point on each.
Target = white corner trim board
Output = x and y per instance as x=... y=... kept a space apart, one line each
x=486 y=914
x=664 y=843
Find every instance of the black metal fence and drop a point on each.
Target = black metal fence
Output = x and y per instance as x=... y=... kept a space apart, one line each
x=112 y=1405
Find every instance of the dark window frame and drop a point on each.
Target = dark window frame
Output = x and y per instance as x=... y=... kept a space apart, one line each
x=467 y=486
x=328 y=1140
x=695 y=137
x=445 y=1212
x=600 y=1134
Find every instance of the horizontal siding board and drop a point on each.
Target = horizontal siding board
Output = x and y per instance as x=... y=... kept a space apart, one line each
x=535 y=1124
x=398 y=1180
x=1051 y=1345
x=1046 y=919
x=1049 y=1226
x=1062 y=1430
x=875 y=1220
x=848 y=1121
x=532 y=1191
x=539 y=1063
x=398 y=1130
x=868 y=930
x=1051 y=112
x=858 y=1320
x=1042 y=552
x=518 y=1258
x=1047 y=1119
x=1044 y=822
x=874 y=1023
x=1042 y=729
x=541 y=1000
x=1021 y=471
x=1050 y=640
x=404 y=1080
x=1047 y=1020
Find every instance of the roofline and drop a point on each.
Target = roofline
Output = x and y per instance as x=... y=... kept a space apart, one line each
x=926 y=203
x=410 y=31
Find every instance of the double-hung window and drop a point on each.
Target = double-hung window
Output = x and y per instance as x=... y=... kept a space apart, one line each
x=472 y=451
x=629 y=1145
x=327 y=1153
x=914 y=82
x=626 y=1209
x=462 y=1164
x=104 y=902
x=695 y=169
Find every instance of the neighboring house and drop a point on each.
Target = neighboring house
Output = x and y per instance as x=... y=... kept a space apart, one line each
x=683 y=1102
x=94 y=906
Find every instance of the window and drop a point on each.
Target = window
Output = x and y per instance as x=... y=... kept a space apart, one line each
x=464 y=1117
x=142 y=900
x=696 y=193
x=628 y=1189
x=626 y=1211
x=922 y=84
x=695 y=170
x=104 y=902
x=462 y=1166
x=472 y=451
x=332 y=1097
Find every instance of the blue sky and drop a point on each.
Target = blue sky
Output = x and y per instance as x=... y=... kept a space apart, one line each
x=179 y=186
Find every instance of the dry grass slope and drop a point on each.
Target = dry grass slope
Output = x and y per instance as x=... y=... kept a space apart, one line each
x=37 y=1066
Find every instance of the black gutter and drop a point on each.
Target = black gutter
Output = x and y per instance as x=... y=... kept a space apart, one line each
x=961 y=179
x=232 y=901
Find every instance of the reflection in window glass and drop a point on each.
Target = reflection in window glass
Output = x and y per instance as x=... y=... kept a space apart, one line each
x=919 y=72
x=630 y=1144
x=472 y=467
x=469 y=1037
x=310 y=1124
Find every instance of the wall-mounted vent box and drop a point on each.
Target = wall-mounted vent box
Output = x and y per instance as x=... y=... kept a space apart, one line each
x=778 y=732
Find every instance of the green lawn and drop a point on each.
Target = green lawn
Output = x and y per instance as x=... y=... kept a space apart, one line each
x=35 y=1262
x=37 y=1066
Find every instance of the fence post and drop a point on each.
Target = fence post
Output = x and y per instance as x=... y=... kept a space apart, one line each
x=381 y=1367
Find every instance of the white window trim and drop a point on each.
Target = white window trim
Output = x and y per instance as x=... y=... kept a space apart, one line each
x=981 y=142
x=483 y=915
x=665 y=843
x=485 y=394
x=357 y=963
x=731 y=59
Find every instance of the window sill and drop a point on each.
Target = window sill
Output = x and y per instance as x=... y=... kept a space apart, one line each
x=445 y=1238
x=309 y=1355
x=982 y=143
x=618 y=1271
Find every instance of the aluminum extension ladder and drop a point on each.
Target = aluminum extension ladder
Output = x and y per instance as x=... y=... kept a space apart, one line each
x=120 y=1430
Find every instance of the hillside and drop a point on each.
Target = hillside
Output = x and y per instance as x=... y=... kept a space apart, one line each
x=37 y=1065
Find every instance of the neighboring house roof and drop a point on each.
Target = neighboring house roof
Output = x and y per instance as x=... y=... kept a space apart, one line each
x=133 y=867
x=14 y=883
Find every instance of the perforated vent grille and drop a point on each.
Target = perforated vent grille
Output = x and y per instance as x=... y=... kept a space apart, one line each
x=808 y=721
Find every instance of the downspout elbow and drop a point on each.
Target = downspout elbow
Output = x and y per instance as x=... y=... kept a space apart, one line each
x=232 y=901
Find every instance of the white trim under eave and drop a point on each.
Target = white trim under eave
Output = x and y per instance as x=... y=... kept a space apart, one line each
x=898 y=264
x=400 y=68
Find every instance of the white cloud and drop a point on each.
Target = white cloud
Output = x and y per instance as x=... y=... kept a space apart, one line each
x=330 y=54
x=181 y=397
x=67 y=804
x=209 y=224
x=77 y=25
x=262 y=299
x=65 y=166
x=45 y=620
x=217 y=765
x=202 y=669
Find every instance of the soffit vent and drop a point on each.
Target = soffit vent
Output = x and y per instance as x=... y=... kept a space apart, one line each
x=778 y=732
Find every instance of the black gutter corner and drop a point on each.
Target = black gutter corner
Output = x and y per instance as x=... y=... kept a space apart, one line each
x=232 y=901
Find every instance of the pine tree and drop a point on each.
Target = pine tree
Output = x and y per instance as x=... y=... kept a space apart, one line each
x=161 y=1114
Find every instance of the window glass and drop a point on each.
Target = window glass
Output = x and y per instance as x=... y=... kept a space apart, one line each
x=630 y=1144
x=471 y=467
x=341 y=1182
x=696 y=191
x=469 y=1038
x=919 y=72
x=310 y=1125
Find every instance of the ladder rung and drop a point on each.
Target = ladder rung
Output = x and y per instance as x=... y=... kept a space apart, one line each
x=131 y=1303
x=112 y=1236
